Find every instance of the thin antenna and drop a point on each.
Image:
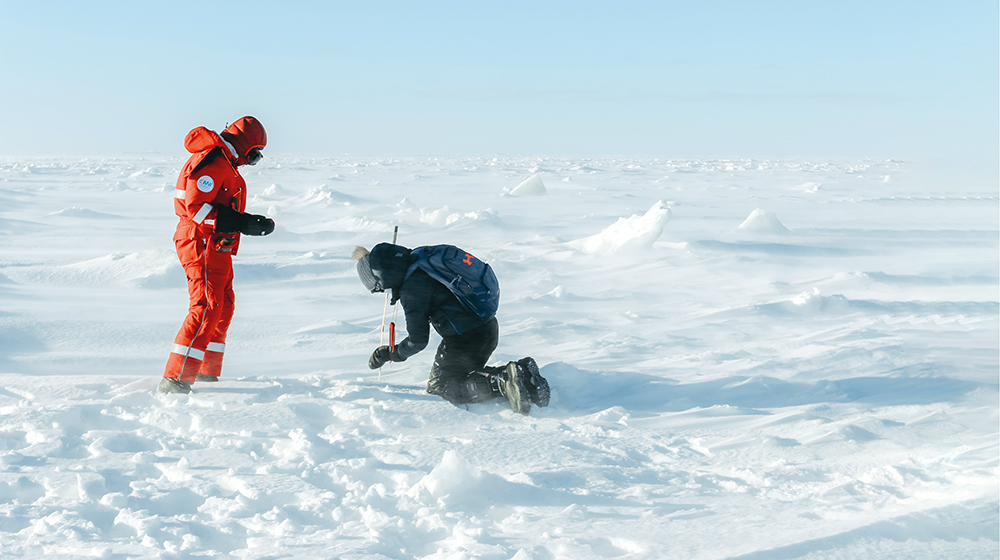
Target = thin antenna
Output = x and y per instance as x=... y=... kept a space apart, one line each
x=385 y=309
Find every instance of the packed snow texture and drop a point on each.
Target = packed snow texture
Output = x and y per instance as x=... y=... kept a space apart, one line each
x=829 y=393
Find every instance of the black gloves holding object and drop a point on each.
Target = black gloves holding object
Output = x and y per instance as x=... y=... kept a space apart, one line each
x=228 y=220
x=257 y=225
x=381 y=355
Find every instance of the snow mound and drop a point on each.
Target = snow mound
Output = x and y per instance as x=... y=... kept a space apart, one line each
x=815 y=301
x=147 y=172
x=454 y=475
x=762 y=221
x=532 y=186
x=159 y=277
x=636 y=232
x=809 y=303
x=77 y=212
x=445 y=217
x=273 y=191
x=322 y=197
x=438 y=218
x=153 y=269
x=351 y=224
x=332 y=327
x=406 y=205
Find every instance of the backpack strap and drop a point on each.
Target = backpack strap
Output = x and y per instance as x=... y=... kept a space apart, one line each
x=419 y=254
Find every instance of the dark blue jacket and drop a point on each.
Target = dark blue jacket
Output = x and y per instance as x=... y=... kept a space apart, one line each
x=426 y=302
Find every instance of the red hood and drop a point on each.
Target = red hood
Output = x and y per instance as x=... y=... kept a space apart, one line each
x=245 y=134
x=201 y=139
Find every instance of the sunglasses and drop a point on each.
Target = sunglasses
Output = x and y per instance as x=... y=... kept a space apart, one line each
x=254 y=156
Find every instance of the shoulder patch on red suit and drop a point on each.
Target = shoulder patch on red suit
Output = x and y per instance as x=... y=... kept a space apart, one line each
x=205 y=183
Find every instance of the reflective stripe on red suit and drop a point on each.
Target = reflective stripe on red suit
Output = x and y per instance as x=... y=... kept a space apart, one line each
x=209 y=177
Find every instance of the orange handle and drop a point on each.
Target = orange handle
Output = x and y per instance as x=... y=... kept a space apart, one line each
x=392 y=337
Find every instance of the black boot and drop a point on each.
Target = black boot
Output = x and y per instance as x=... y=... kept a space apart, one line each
x=511 y=385
x=479 y=388
x=538 y=387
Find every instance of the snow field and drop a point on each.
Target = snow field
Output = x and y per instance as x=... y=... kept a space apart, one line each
x=824 y=391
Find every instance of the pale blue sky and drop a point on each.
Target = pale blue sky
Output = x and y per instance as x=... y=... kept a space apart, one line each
x=753 y=79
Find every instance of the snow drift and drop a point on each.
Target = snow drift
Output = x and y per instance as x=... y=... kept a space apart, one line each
x=635 y=232
x=532 y=186
x=762 y=221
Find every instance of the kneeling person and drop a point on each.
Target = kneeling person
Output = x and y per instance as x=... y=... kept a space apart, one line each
x=456 y=293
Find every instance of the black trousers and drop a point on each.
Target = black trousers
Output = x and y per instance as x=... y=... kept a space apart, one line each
x=453 y=375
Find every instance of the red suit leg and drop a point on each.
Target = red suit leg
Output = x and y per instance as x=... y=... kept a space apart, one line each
x=212 y=364
x=210 y=277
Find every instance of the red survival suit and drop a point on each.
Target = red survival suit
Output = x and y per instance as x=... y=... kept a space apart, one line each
x=208 y=180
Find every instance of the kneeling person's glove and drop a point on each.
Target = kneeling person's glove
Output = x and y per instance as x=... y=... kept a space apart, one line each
x=381 y=355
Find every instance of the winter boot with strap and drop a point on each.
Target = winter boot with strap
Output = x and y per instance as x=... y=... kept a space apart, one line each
x=511 y=384
x=479 y=388
x=538 y=387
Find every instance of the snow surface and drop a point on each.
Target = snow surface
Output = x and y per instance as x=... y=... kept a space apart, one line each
x=716 y=392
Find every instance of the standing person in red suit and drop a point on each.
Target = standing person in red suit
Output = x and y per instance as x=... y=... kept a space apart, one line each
x=210 y=200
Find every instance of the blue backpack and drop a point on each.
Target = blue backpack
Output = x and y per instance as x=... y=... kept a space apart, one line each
x=470 y=279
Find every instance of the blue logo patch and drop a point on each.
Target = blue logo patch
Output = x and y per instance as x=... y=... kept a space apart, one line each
x=206 y=184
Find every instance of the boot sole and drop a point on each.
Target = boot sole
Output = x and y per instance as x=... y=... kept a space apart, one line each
x=517 y=391
x=538 y=387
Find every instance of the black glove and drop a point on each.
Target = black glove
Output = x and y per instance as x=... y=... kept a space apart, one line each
x=257 y=225
x=228 y=220
x=381 y=355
